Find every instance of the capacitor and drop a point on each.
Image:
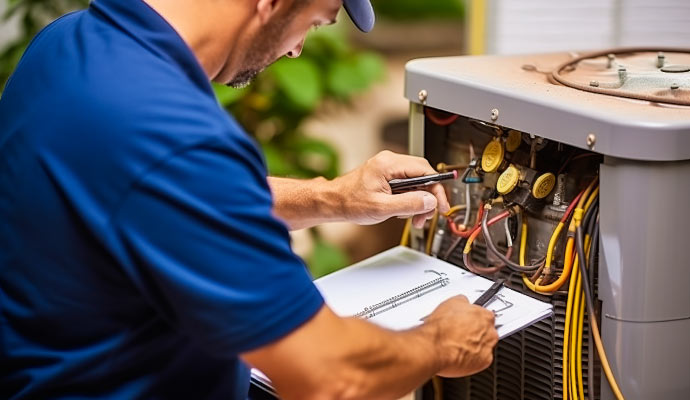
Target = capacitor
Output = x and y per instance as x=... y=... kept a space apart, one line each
x=492 y=157
x=513 y=140
x=543 y=185
x=508 y=180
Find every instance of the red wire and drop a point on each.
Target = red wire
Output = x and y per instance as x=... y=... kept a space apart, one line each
x=466 y=233
x=571 y=207
x=476 y=230
x=442 y=121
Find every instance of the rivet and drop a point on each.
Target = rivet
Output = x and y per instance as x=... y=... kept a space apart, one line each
x=594 y=83
x=622 y=74
x=494 y=114
x=674 y=86
x=660 y=59
x=591 y=140
x=610 y=59
x=422 y=96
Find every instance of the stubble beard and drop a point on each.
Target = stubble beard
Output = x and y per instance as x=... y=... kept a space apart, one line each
x=261 y=54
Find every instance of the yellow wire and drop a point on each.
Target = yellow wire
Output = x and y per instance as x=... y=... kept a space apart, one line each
x=438 y=387
x=585 y=201
x=431 y=233
x=577 y=218
x=576 y=339
x=597 y=338
x=591 y=198
x=405 y=239
x=566 y=331
x=552 y=245
x=572 y=348
x=523 y=243
x=604 y=360
x=454 y=209
x=578 y=361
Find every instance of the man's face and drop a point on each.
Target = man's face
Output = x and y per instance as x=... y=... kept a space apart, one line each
x=283 y=34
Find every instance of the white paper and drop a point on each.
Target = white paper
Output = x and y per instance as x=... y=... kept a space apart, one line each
x=397 y=288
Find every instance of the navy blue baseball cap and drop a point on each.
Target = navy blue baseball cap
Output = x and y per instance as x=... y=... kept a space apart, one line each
x=361 y=13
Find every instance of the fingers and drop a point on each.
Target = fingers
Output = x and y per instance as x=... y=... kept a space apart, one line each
x=402 y=165
x=461 y=298
x=416 y=203
x=441 y=200
x=418 y=220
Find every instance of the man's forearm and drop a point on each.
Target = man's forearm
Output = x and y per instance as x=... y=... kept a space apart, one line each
x=303 y=203
x=350 y=359
x=386 y=364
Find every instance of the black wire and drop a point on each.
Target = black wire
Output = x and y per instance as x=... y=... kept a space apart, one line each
x=588 y=219
x=492 y=247
x=579 y=244
x=593 y=251
x=594 y=248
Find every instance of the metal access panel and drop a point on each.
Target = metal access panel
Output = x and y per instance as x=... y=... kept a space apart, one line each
x=624 y=106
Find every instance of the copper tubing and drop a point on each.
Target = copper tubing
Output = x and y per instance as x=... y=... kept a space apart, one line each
x=484 y=270
x=504 y=259
x=556 y=74
x=440 y=120
x=476 y=232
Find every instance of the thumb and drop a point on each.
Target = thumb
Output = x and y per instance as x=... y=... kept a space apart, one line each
x=411 y=203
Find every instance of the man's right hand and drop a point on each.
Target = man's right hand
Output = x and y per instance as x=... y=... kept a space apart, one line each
x=466 y=336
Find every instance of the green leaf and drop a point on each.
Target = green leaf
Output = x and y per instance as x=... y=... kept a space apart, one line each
x=353 y=75
x=371 y=66
x=300 y=81
x=227 y=95
x=326 y=258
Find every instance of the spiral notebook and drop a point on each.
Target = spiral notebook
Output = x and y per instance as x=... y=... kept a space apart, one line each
x=396 y=289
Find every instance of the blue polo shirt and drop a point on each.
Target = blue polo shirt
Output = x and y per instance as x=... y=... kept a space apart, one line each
x=138 y=252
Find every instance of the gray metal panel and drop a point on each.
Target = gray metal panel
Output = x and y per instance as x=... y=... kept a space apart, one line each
x=644 y=276
x=649 y=361
x=473 y=86
x=645 y=273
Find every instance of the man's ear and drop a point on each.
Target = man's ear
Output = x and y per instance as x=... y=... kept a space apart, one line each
x=265 y=9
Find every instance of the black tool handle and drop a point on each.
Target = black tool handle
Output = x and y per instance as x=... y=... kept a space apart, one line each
x=409 y=183
x=489 y=294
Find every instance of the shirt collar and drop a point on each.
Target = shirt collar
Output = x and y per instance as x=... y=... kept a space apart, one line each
x=151 y=30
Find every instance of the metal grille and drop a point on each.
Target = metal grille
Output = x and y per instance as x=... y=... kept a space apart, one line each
x=527 y=364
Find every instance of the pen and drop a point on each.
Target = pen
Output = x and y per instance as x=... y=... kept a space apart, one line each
x=485 y=298
x=489 y=294
x=403 y=184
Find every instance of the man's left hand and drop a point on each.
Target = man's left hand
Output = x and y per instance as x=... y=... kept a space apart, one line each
x=368 y=198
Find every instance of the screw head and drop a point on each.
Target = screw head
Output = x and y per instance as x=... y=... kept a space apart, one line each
x=591 y=140
x=594 y=83
x=422 y=95
x=674 y=86
x=494 y=114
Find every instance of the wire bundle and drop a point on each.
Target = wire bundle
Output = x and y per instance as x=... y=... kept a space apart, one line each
x=582 y=243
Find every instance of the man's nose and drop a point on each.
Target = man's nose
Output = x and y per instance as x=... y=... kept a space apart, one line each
x=296 y=51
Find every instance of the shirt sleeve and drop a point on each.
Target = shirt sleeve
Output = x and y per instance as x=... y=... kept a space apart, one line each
x=198 y=238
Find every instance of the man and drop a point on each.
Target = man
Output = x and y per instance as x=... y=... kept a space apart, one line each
x=141 y=252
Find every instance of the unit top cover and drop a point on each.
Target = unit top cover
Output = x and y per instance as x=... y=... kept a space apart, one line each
x=632 y=104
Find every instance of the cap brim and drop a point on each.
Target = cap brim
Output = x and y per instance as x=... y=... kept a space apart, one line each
x=361 y=13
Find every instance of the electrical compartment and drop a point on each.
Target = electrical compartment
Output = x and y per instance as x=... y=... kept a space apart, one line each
x=548 y=147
